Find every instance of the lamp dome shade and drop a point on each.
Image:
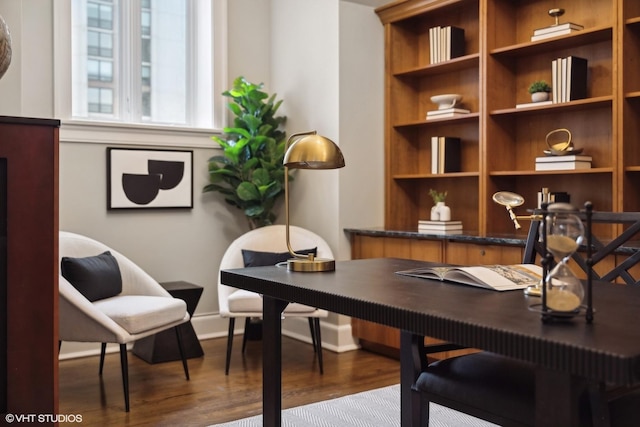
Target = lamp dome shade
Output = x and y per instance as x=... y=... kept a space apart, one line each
x=314 y=152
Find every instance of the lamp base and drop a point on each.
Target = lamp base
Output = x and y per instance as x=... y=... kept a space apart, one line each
x=305 y=265
x=533 y=291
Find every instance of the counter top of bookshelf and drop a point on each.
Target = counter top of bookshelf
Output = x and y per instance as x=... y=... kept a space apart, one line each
x=632 y=169
x=586 y=36
x=467 y=236
x=579 y=104
x=403 y=176
x=552 y=172
x=455 y=64
x=631 y=95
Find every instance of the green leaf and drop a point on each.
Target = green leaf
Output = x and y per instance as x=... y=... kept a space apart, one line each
x=248 y=191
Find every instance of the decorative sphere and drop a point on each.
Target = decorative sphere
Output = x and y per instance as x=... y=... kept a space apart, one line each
x=5 y=47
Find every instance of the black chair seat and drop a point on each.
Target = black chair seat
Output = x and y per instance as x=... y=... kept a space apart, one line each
x=482 y=383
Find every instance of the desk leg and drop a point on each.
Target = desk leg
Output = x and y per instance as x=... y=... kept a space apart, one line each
x=557 y=398
x=410 y=368
x=272 y=361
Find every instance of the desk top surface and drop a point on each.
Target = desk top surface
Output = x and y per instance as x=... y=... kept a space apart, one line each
x=501 y=322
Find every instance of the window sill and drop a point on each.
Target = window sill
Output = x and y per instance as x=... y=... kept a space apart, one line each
x=90 y=132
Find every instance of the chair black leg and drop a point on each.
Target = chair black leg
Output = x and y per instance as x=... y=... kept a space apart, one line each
x=124 y=365
x=232 y=323
x=244 y=334
x=313 y=334
x=103 y=350
x=184 y=359
x=318 y=343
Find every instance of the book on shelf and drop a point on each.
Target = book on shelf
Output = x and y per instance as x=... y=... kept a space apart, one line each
x=495 y=277
x=556 y=33
x=454 y=42
x=439 y=232
x=569 y=78
x=433 y=42
x=567 y=158
x=534 y=104
x=445 y=43
x=445 y=154
x=562 y=166
x=447 y=112
x=439 y=225
x=556 y=28
x=576 y=82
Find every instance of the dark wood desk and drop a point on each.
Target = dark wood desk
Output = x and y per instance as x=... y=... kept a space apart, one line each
x=607 y=350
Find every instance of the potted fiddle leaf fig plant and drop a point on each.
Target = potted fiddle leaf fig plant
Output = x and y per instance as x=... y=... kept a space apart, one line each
x=249 y=173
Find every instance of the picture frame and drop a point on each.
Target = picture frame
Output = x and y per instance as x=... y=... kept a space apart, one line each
x=139 y=178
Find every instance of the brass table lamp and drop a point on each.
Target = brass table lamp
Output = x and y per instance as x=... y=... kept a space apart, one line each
x=308 y=150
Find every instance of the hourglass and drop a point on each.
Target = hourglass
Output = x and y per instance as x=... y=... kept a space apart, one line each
x=564 y=234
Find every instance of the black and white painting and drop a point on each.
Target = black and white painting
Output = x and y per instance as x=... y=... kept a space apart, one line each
x=141 y=178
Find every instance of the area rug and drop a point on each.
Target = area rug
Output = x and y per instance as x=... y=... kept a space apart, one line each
x=374 y=408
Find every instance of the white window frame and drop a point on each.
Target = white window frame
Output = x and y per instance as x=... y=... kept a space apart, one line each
x=119 y=133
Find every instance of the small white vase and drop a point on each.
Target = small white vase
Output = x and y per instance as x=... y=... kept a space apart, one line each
x=440 y=212
x=539 y=96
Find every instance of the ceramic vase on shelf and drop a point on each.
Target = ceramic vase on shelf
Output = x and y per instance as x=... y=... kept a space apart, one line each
x=440 y=212
x=539 y=96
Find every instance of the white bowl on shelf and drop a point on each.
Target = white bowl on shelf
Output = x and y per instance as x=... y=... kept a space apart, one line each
x=448 y=100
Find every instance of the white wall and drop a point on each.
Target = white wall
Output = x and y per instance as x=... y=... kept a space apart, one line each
x=322 y=57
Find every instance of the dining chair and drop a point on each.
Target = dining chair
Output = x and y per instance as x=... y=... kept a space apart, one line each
x=502 y=390
x=105 y=297
x=267 y=246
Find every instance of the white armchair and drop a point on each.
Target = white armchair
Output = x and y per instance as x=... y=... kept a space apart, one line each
x=142 y=308
x=235 y=302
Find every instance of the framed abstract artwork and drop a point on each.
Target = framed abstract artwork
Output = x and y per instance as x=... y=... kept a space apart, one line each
x=148 y=179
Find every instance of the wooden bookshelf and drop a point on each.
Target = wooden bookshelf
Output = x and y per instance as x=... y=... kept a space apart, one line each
x=499 y=141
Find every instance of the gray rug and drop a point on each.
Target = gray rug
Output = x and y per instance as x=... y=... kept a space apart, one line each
x=380 y=407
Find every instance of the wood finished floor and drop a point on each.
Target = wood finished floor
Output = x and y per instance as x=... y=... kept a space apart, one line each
x=160 y=395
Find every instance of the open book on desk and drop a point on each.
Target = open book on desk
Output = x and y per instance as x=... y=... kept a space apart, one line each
x=496 y=277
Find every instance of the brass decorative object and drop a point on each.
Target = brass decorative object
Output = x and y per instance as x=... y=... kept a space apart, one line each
x=559 y=146
x=556 y=13
x=307 y=150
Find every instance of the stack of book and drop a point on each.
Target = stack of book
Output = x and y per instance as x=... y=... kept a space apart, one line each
x=445 y=154
x=439 y=227
x=568 y=162
x=555 y=31
x=447 y=112
x=569 y=79
x=445 y=43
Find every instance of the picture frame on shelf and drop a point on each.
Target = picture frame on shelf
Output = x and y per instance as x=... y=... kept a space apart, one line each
x=149 y=178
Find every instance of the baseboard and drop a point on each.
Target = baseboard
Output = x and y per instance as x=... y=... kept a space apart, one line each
x=335 y=338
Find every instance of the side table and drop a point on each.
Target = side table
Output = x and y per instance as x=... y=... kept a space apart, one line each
x=163 y=347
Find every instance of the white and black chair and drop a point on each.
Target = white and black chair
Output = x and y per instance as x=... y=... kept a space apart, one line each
x=267 y=246
x=104 y=297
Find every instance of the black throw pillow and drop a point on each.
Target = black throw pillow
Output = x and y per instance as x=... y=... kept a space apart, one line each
x=258 y=259
x=95 y=277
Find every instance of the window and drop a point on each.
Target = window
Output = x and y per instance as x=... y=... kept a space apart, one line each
x=148 y=62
